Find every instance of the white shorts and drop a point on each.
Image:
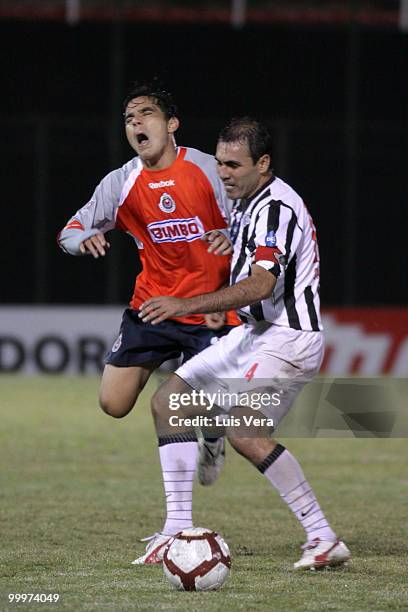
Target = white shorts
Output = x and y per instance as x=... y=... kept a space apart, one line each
x=256 y=359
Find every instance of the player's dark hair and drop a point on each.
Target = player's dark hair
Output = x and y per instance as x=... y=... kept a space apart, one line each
x=251 y=132
x=155 y=91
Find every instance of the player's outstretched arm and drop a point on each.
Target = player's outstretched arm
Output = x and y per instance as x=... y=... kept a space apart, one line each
x=255 y=288
x=84 y=232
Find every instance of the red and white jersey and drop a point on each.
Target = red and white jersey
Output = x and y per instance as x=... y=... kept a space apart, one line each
x=166 y=212
x=274 y=229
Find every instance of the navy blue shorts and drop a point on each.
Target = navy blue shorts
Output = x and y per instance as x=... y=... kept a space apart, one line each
x=144 y=344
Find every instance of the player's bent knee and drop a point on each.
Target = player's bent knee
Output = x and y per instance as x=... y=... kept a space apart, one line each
x=114 y=408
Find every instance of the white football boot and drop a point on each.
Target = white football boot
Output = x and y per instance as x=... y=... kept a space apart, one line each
x=154 y=550
x=210 y=460
x=319 y=554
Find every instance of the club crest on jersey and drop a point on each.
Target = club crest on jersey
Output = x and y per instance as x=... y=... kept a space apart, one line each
x=270 y=239
x=167 y=204
x=176 y=230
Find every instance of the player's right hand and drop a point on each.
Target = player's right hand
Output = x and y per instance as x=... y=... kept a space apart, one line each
x=95 y=245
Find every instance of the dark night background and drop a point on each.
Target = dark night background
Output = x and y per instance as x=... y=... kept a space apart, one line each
x=334 y=96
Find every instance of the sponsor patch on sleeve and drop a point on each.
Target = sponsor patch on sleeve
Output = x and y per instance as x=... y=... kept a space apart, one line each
x=270 y=239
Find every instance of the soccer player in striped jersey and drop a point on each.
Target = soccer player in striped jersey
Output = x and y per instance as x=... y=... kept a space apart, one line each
x=172 y=202
x=278 y=349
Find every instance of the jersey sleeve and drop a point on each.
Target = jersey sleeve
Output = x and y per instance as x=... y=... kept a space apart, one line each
x=98 y=215
x=208 y=164
x=277 y=235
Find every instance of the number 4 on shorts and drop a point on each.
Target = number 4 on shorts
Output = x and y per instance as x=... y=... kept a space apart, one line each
x=250 y=374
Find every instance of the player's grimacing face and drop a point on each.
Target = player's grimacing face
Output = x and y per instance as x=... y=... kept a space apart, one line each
x=241 y=177
x=148 y=130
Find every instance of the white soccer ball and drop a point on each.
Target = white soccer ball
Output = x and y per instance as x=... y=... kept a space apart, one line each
x=197 y=559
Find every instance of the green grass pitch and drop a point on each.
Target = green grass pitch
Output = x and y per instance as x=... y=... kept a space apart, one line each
x=79 y=489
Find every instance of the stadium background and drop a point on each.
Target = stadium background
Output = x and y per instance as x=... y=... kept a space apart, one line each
x=329 y=77
x=80 y=489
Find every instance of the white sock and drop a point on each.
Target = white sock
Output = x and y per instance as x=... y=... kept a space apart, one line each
x=178 y=461
x=286 y=475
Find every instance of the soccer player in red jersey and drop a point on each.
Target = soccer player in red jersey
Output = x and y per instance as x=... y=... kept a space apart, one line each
x=172 y=202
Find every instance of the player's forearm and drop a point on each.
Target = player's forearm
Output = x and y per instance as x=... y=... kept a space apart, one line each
x=257 y=287
x=244 y=293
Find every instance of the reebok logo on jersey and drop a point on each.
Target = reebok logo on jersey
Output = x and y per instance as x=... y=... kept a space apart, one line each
x=169 y=183
x=176 y=230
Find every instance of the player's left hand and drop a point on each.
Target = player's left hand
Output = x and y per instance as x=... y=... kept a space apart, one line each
x=158 y=309
x=220 y=244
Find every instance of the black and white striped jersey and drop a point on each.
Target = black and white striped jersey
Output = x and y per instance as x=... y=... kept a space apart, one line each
x=274 y=229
